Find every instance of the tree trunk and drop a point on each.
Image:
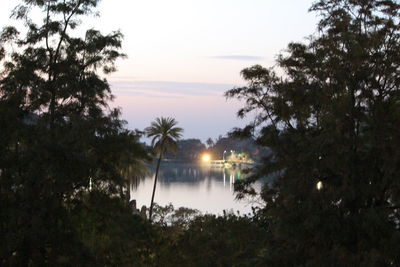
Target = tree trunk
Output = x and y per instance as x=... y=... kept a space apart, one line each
x=154 y=187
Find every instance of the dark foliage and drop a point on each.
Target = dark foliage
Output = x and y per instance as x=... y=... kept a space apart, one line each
x=187 y=150
x=333 y=122
x=243 y=144
x=221 y=241
x=113 y=236
x=191 y=239
x=58 y=138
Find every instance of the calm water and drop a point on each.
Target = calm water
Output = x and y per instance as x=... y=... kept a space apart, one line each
x=196 y=186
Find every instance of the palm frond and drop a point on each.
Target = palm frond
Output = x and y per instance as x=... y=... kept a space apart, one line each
x=164 y=134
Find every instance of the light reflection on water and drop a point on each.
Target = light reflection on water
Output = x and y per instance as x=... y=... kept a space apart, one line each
x=208 y=189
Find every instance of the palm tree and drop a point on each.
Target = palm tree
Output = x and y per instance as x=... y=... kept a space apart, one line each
x=133 y=163
x=133 y=173
x=164 y=134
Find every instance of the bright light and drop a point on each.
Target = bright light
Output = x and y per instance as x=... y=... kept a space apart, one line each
x=206 y=157
x=320 y=185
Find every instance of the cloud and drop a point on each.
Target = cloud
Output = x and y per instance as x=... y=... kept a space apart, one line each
x=238 y=57
x=162 y=89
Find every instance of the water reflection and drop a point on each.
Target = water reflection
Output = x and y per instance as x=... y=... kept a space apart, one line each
x=193 y=174
x=209 y=189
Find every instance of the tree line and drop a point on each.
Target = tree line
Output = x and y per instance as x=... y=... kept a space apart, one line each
x=192 y=150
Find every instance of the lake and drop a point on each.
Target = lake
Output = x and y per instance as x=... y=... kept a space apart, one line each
x=208 y=189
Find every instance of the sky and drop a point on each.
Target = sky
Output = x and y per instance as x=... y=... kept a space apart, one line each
x=184 y=54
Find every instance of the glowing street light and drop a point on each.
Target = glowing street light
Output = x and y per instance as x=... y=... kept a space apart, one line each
x=206 y=157
x=319 y=185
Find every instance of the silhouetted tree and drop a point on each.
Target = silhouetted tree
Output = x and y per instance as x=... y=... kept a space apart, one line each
x=333 y=121
x=210 y=142
x=58 y=134
x=164 y=134
x=133 y=165
x=187 y=150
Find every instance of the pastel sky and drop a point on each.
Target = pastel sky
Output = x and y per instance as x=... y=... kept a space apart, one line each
x=183 y=54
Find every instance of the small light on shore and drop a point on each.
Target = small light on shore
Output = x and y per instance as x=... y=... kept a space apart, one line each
x=319 y=185
x=206 y=157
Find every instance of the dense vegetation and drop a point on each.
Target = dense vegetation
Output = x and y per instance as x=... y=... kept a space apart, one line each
x=332 y=121
x=62 y=149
